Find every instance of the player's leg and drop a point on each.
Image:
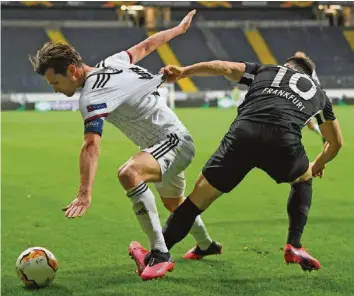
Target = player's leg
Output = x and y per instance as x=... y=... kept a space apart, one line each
x=298 y=207
x=133 y=176
x=182 y=219
x=225 y=170
x=287 y=162
x=171 y=157
x=205 y=246
x=172 y=195
x=313 y=126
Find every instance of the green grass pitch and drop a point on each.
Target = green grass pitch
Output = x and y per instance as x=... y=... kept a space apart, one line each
x=40 y=175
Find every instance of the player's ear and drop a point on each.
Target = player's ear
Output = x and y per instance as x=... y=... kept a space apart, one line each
x=71 y=72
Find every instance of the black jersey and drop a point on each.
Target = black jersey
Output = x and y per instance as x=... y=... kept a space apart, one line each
x=282 y=96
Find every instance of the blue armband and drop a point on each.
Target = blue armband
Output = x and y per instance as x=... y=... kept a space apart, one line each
x=94 y=126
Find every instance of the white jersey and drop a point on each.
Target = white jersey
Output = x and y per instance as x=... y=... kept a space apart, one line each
x=126 y=95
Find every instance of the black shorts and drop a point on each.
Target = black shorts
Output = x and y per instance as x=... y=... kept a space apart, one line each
x=249 y=145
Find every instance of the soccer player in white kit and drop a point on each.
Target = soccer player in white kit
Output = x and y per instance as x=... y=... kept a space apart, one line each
x=126 y=95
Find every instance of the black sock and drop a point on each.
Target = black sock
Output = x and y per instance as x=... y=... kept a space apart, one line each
x=180 y=222
x=299 y=204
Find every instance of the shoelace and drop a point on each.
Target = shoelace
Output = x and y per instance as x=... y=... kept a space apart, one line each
x=152 y=258
x=152 y=261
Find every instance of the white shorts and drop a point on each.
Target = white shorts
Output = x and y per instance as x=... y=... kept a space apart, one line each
x=174 y=155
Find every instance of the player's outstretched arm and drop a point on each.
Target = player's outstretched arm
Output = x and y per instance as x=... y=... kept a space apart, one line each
x=88 y=164
x=141 y=50
x=231 y=71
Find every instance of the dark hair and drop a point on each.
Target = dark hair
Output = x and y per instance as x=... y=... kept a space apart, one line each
x=55 y=55
x=304 y=65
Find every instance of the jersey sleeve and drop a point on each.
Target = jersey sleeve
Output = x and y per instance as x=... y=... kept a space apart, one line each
x=326 y=113
x=120 y=57
x=94 y=106
x=93 y=113
x=251 y=70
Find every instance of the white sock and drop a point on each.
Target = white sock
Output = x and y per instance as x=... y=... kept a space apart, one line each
x=145 y=210
x=316 y=129
x=200 y=234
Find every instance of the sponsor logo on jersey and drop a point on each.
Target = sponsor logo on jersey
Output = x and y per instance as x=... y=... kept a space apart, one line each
x=286 y=95
x=94 y=107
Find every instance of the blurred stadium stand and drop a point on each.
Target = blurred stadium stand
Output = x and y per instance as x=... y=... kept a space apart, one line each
x=220 y=31
x=17 y=73
x=191 y=48
x=326 y=46
x=95 y=44
x=250 y=14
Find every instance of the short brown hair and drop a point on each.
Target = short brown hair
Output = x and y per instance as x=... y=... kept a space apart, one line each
x=55 y=55
x=303 y=65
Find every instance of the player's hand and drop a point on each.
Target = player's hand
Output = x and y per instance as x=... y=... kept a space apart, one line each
x=186 y=22
x=173 y=73
x=78 y=206
x=317 y=170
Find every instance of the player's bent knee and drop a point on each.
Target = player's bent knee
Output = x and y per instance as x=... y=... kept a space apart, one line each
x=127 y=173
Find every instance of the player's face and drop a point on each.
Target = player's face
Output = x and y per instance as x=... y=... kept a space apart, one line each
x=60 y=83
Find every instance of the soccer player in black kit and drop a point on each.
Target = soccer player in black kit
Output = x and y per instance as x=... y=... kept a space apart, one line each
x=266 y=134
